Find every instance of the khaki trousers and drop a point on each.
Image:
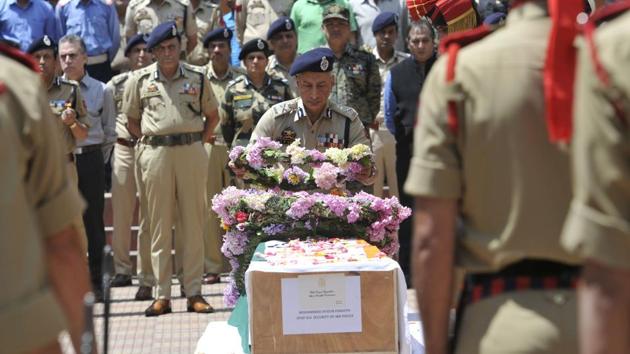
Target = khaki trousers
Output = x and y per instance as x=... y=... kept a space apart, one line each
x=218 y=179
x=78 y=222
x=174 y=179
x=124 y=189
x=533 y=321
x=384 y=146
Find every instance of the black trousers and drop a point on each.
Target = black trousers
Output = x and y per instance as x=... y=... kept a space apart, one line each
x=91 y=171
x=101 y=72
x=403 y=159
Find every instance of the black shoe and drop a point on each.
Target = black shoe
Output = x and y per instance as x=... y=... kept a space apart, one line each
x=144 y=293
x=121 y=280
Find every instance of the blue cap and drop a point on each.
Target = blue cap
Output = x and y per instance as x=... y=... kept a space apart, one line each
x=217 y=34
x=134 y=41
x=494 y=18
x=44 y=42
x=383 y=20
x=282 y=24
x=255 y=45
x=162 y=32
x=318 y=60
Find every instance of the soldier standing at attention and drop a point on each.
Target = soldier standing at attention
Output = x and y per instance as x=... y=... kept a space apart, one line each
x=597 y=225
x=208 y=17
x=249 y=96
x=67 y=105
x=487 y=157
x=44 y=293
x=357 y=81
x=144 y=15
x=165 y=104
x=219 y=73
x=124 y=185
x=283 y=41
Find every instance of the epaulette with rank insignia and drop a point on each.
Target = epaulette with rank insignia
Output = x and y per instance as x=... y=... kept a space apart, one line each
x=120 y=78
x=65 y=81
x=19 y=56
x=345 y=111
x=451 y=45
x=285 y=107
x=607 y=13
x=195 y=68
x=235 y=81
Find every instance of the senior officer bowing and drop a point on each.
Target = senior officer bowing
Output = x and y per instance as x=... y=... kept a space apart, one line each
x=248 y=97
x=313 y=117
x=165 y=104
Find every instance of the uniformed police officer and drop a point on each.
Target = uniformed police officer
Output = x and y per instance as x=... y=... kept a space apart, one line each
x=40 y=249
x=253 y=17
x=249 y=96
x=208 y=17
x=357 y=81
x=597 y=224
x=283 y=41
x=219 y=73
x=485 y=155
x=124 y=185
x=144 y=15
x=165 y=104
x=313 y=117
x=66 y=103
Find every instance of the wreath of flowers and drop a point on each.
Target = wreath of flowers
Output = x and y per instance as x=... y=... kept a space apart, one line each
x=295 y=168
x=253 y=216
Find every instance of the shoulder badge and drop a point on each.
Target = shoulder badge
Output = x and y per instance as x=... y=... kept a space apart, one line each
x=344 y=110
x=287 y=136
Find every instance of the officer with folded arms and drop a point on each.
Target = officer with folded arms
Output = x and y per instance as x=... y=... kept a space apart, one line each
x=165 y=104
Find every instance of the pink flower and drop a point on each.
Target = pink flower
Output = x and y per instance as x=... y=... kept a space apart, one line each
x=326 y=176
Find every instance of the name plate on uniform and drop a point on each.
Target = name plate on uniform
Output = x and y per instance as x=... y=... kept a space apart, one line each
x=321 y=303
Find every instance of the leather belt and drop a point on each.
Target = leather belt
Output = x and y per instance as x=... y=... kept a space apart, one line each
x=172 y=140
x=127 y=142
x=87 y=149
x=97 y=59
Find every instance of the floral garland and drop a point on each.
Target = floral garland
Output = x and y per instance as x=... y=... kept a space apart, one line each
x=253 y=216
x=264 y=165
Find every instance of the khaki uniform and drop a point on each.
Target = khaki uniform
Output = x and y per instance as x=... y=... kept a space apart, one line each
x=144 y=15
x=274 y=68
x=287 y=121
x=244 y=105
x=218 y=176
x=64 y=92
x=171 y=175
x=36 y=201
x=207 y=17
x=124 y=189
x=357 y=83
x=512 y=183
x=597 y=225
x=253 y=17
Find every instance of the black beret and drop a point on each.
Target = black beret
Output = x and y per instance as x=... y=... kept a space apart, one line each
x=162 y=32
x=383 y=20
x=217 y=34
x=134 y=41
x=283 y=24
x=255 y=45
x=42 y=43
x=319 y=60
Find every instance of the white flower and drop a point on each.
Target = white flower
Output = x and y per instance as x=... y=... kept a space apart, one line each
x=337 y=156
x=297 y=153
x=359 y=151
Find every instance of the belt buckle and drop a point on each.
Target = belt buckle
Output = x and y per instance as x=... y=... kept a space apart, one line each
x=78 y=150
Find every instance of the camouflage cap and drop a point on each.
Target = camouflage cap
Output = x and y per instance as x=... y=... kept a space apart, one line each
x=336 y=11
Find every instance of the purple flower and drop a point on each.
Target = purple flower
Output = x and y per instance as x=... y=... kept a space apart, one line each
x=234 y=243
x=295 y=175
x=236 y=152
x=230 y=294
x=317 y=156
x=353 y=169
x=326 y=175
x=254 y=157
x=336 y=204
x=273 y=229
x=300 y=207
x=267 y=143
x=354 y=214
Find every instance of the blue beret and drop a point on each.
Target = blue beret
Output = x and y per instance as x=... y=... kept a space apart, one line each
x=319 y=60
x=255 y=45
x=494 y=18
x=383 y=20
x=162 y=32
x=134 y=41
x=44 y=42
x=283 y=24
x=217 y=34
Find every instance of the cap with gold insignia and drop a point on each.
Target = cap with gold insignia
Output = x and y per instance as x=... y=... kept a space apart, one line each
x=162 y=32
x=255 y=45
x=217 y=34
x=44 y=42
x=134 y=41
x=282 y=24
x=319 y=60
x=336 y=11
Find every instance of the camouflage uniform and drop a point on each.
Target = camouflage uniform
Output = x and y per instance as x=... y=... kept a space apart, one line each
x=357 y=83
x=274 y=68
x=207 y=17
x=244 y=105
